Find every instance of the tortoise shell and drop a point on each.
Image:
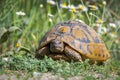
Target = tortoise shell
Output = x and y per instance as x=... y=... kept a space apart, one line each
x=80 y=37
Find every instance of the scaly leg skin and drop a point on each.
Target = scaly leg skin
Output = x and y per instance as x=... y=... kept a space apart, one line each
x=72 y=54
x=40 y=53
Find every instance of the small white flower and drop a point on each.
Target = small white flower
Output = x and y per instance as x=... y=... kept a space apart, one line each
x=113 y=25
x=18 y=45
x=93 y=7
x=71 y=6
x=64 y=5
x=113 y=35
x=20 y=13
x=104 y=2
x=98 y=25
x=99 y=21
x=117 y=41
x=80 y=20
x=99 y=30
x=36 y=74
x=73 y=10
x=50 y=20
x=82 y=8
x=91 y=13
x=51 y=2
x=41 y=5
x=50 y=15
x=102 y=30
x=5 y=59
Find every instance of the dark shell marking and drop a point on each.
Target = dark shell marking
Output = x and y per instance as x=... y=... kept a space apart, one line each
x=80 y=37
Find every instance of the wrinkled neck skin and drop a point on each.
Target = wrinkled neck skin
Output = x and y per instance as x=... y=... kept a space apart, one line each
x=56 y=46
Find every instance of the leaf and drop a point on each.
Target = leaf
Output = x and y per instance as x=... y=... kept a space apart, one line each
x=14 y=28
x=2 y=31
x=22 y=48
x=3 y=35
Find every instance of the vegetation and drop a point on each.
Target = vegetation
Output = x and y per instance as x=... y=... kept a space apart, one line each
x=23 y=23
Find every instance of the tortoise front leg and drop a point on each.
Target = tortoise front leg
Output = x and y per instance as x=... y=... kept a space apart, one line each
x=40 y=53
x=72 y=54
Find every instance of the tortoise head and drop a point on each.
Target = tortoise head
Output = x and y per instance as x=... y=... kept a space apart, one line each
x=56 y=46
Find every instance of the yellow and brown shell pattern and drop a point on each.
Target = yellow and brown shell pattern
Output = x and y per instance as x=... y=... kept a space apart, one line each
x=80 y=37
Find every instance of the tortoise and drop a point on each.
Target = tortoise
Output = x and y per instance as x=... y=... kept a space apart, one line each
x=72 y=41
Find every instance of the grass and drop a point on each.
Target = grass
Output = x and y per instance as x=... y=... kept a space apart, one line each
x=26 y=64
x=62 y=68
x=21 y=44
